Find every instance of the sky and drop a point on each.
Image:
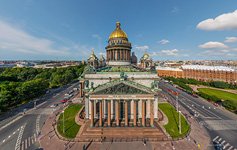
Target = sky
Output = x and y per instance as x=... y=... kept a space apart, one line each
x=70 y=29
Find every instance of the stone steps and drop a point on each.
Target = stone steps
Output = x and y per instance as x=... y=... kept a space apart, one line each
x=123 y=132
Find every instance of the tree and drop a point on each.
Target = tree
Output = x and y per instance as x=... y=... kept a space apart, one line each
x=33 y=88
x=18 y=85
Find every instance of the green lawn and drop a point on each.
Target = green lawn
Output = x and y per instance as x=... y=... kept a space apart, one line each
x=71 y=128
x=173 y=125
x=219 y=94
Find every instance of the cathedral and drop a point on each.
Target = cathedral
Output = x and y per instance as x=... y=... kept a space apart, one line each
x=118 y=92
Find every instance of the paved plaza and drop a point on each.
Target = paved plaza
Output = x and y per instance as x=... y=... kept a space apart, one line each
x=50 y=140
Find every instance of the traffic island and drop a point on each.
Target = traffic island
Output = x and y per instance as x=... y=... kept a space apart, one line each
x=66 y=124
x=174 y=127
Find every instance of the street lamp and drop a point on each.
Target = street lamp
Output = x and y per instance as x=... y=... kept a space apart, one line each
x=179 y=122
x=157 y=108
x=63 y=123
x=35 y=103
x=177 y=103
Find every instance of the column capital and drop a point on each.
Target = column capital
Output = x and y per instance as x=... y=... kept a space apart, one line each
x=108 y=100
x=136 y=100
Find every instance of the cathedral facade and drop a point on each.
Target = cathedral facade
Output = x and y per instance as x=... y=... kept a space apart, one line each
x=119 y=93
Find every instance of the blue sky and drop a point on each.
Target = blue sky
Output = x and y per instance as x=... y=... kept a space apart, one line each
x=69 y=29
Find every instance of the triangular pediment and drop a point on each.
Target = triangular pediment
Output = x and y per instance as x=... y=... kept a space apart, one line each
x=121 y=88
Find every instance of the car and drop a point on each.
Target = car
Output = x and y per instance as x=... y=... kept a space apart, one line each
x=68 y=96
x=194 y=95
x=218 y=146
x=64 y=101
x=75 y=89
x=54 y=105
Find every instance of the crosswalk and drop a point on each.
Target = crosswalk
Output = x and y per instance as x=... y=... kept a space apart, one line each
x=226 y=145
x=26 y=143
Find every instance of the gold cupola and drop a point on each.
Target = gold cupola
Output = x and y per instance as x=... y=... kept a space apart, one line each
x=118 y=50
x=118 y=32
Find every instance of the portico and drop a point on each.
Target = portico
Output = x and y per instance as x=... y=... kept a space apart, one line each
x=138 y=108
x=123 y=112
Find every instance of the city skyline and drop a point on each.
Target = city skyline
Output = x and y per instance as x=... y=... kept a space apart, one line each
x=169 y=30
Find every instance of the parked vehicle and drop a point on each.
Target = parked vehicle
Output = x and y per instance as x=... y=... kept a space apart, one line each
x=68 y=96
x=64 y=101
x=75 y=89
x=218 y=146
x=194 y=95
x=54 y=105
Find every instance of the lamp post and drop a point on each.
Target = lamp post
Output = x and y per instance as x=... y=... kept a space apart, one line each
x=157 y=109
x=63 y=123
x=179 y=122
x=177 y=102
x=35 y=103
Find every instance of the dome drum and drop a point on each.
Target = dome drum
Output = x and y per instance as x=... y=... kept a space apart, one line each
x=118 y=50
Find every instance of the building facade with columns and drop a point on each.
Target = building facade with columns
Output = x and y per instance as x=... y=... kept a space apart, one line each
x=201 y=73
x=119 y=94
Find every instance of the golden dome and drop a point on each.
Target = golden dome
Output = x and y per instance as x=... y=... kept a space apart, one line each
x=146 y=56
x=92 y=56
x=118 y=32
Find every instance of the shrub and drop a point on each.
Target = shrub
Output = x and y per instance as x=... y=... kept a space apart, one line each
x=230 y=105
x=209 y=97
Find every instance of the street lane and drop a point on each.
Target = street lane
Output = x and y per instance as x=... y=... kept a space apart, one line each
x=33 y=120
x=220 y=124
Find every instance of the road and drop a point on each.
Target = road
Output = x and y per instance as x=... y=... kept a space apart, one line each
x=19 y=131
x=220 y=123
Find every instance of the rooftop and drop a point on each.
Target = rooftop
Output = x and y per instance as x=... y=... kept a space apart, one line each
x=203 y=67
x=168 y=68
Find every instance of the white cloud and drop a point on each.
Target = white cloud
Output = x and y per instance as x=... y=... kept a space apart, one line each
x=96 y=36
x=173 y=52
x=18 y=40
x=231 y=39
x=225 y=21
x=211 y=45
x=164 y=41
x=234 y=49
x=220 y=53
x=102 y=53
x=142 y=48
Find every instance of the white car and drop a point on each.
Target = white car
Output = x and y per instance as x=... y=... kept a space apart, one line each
x=54 y=105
